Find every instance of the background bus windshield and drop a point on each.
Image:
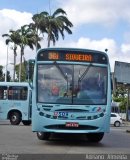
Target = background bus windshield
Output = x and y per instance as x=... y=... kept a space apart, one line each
x=71 y=84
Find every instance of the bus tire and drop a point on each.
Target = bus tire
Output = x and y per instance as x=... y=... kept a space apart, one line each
x=26 y=123
x=95 y=137
x=43 y=135
x=15 y=118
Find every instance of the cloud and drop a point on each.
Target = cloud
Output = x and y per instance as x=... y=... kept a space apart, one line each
x=115 y=52
x=104 y=13
x=10 y=19
x=125 y=48
x=93 y=11
x=96 y=11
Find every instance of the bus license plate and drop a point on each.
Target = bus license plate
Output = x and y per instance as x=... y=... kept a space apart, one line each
x=72 y=124
x=61 y=114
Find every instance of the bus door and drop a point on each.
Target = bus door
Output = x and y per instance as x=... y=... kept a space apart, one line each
x=30 y=104
x=3 y=102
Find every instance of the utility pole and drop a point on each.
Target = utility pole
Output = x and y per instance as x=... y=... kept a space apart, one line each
x=127 y=106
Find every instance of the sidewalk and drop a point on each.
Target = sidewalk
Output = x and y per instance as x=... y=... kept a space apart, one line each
x=127 y=123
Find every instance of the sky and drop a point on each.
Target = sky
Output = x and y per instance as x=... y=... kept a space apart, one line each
x=97 y=25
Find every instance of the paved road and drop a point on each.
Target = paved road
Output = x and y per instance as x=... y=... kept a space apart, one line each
x=20 y=139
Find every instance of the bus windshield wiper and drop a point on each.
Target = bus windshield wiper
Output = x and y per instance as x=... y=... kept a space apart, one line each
x=84 y=73
x=61 y=71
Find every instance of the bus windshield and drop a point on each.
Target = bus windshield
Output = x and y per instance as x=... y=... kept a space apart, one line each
x=71 y=84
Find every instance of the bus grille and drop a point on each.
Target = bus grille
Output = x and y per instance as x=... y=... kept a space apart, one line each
x=76 y=117
x=63 y=127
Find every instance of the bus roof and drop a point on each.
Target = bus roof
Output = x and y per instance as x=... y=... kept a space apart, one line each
x=14 y=84
x=71 y=49
x=67 y=54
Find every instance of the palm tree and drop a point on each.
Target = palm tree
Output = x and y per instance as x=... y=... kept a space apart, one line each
x=36 y=36
x=1 y=73
x=53 y=24
x=26 y=37
x=12 y=38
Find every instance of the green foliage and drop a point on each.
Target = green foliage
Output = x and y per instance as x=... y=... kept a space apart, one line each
x=53 y=25
x=123 y=104
x=8 y=76
x=1 y=74
x=30 y=69
x=121 y=96
x=23 y=72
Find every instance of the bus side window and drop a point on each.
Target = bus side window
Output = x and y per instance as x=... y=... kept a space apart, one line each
x=3 y=92
x=23 y=93
x=13 y=93
x=10 y=94
x=17 y=93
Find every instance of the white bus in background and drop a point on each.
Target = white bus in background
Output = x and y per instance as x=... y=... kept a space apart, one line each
x=15 y=102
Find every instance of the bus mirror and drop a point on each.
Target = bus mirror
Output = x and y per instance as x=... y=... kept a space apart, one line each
x=111 y=85
x=30 y=69
x=112 y=82
x=31 y=85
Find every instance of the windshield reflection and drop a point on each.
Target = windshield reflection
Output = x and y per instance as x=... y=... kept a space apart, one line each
x=72 y=84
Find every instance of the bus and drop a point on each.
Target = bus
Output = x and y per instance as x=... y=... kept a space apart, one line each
x=15 y=102
x=71 y=93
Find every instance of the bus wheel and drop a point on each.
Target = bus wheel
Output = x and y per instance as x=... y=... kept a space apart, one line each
x=26 y=123
x=95 y=137
x=43 y=135
x=15 y=118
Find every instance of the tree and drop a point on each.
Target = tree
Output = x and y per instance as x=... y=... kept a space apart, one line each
x=53 y=24
x=36 y=26
x=8 y=76
x=29 y=69
x=26 y=37
x=23 y=72
x=121 y=96
x=1 y=74
x=29 y=35
x=12 y=37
